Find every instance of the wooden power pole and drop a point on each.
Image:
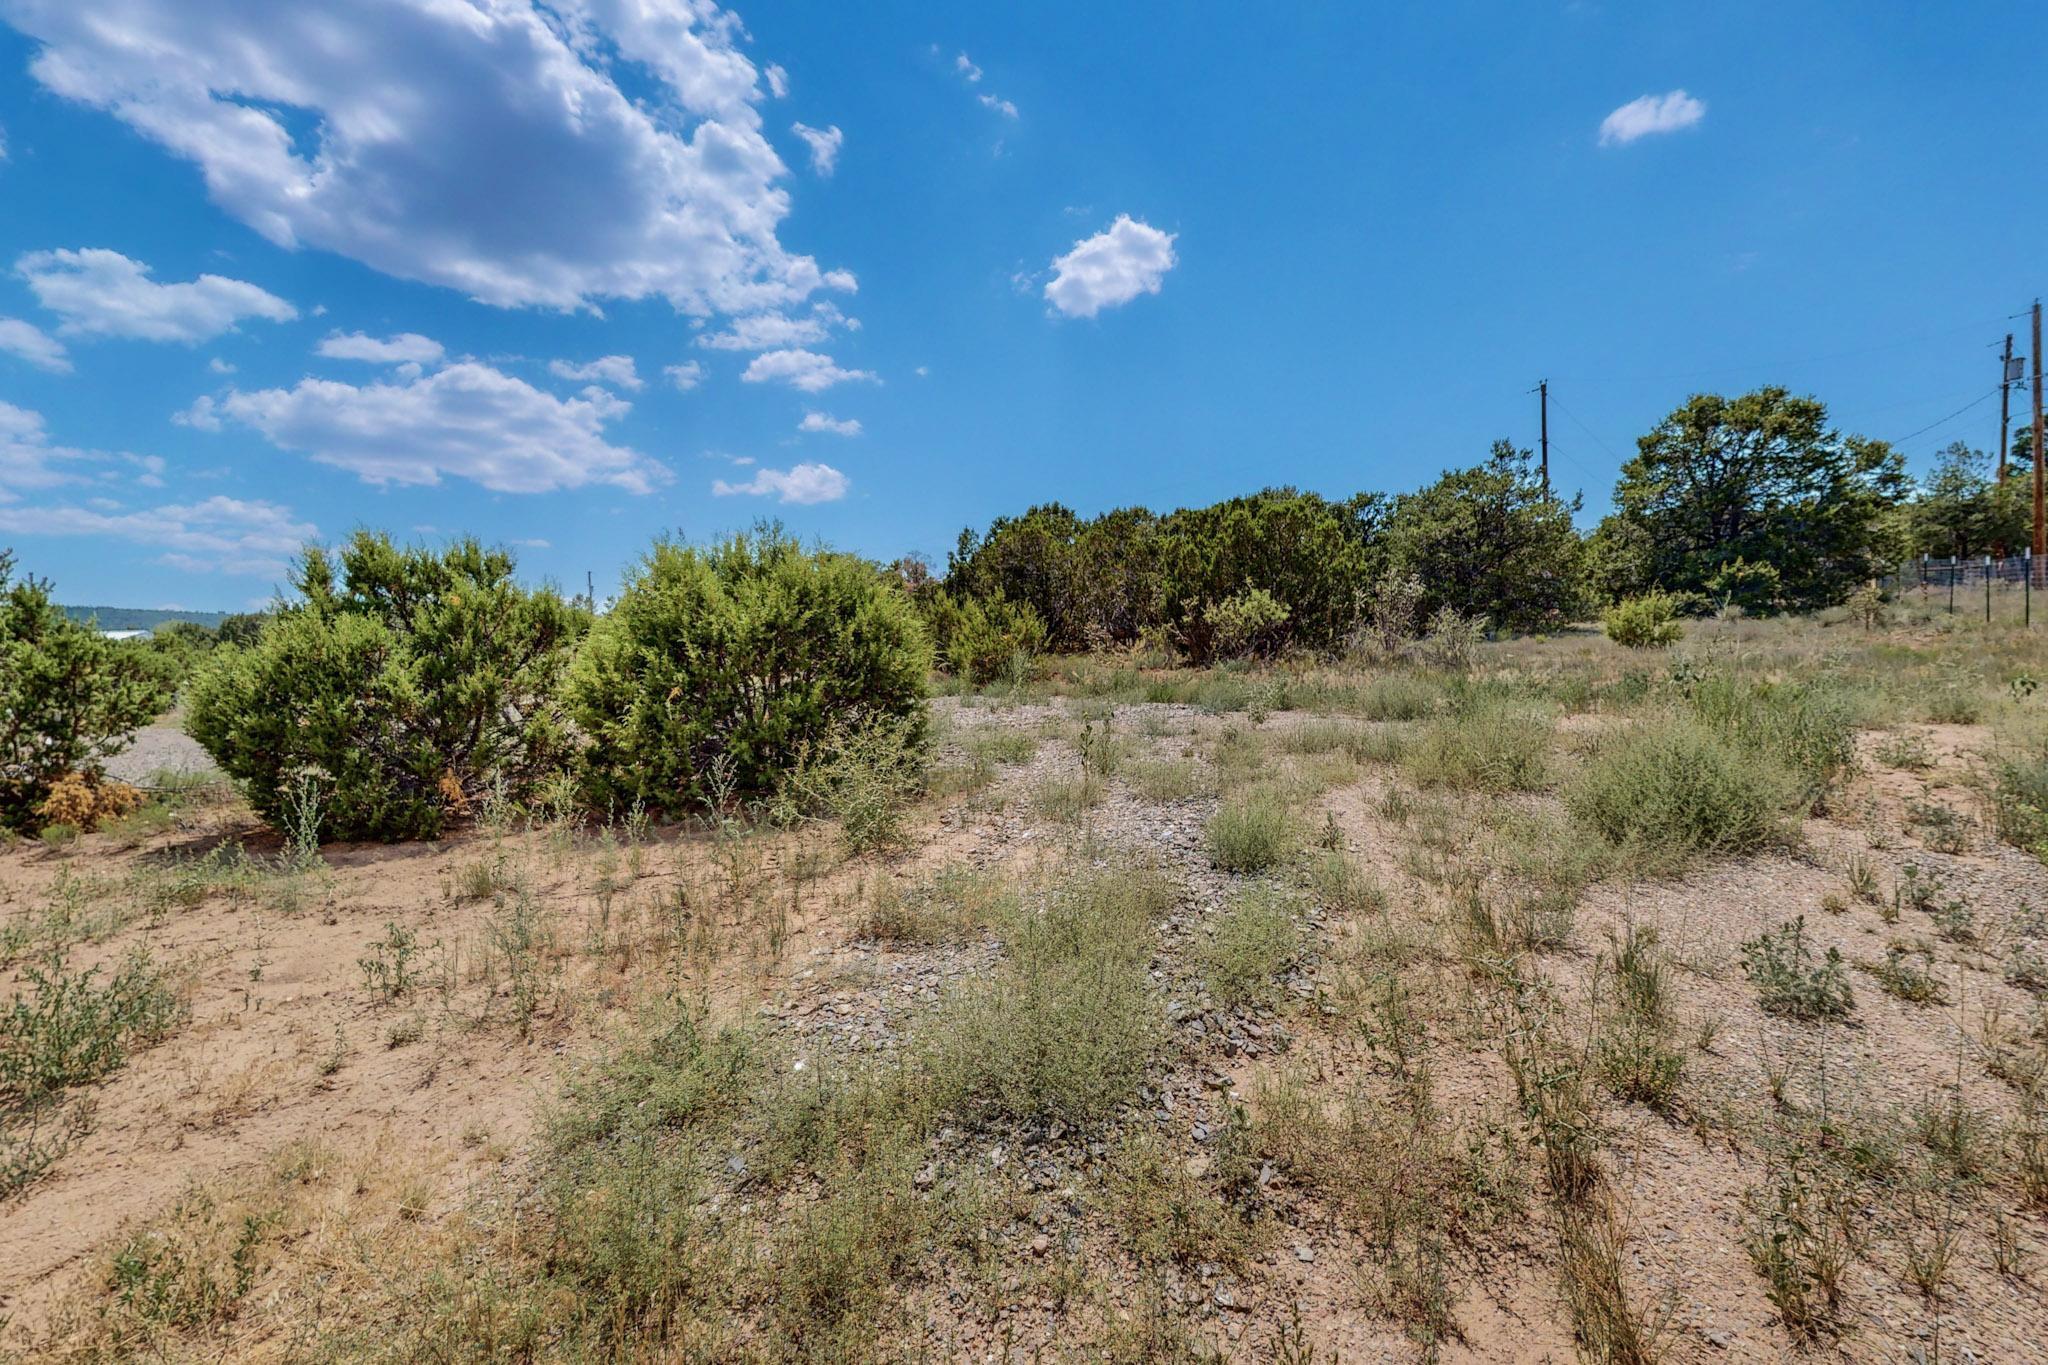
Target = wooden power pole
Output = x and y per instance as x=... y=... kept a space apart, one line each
x=2004 y=403
x=1543 y=428
x=2040 y=526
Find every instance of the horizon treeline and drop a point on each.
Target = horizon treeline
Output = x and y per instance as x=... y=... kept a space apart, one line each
x=1753 y=502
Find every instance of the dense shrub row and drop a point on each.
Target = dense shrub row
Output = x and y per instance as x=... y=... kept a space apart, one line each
x=406 y=686
x=1750 y=502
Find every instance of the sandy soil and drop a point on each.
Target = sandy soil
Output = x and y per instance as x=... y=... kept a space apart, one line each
x=285 y=1039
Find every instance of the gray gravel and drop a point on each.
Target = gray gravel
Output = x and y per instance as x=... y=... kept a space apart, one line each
x=160 y=748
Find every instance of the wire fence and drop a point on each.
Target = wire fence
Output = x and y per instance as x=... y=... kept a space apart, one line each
x=1991 y=587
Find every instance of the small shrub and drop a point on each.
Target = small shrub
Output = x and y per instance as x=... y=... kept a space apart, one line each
x=863 y=775
x=1254 y=939
x=85 y=800
x=1908 y=973
x=1453 y=639
x=980 y=639
x=68 y=699
x=1646 y=622
x=739 y=659
x=64 y=1029
x=1790 y=982
x=407 y=692
x=1669 y=788
x=1942 y=828
x=388 y=969
x=1905 y=749
x=1253 y=831
x=1250 y=623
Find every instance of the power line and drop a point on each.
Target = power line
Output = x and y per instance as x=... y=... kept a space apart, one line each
x=1982 y=398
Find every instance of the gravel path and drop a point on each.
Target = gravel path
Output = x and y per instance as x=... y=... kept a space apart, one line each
x=159 y=748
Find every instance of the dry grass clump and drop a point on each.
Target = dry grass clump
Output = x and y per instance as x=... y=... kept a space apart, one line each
x=1488 y=745
x=956 y=904
x=1255 y=938
x=1667 y=788
x=1253 y=831
x=1065 y=1027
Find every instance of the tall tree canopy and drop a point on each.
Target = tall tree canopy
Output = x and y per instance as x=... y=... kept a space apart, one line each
x=1759 y=479
x=1963 y=510
x=1491 y=541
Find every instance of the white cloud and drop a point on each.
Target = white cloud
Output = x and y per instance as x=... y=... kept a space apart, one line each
x=27 y=459
x=822 y=422
x=219 y=366
x=407 y=348
x=105 y=293
x=1648 y=114
x=771 y=331
x=534 y=543
x=29 y=462
x=616 y=370
x=824 y=144
x=488 y=148
x=778 y=81
x=1110 y=268
x=467 y=421
x=805 y=370
x=33 y=344
x=806 y=484
x=225 y=535
x=923 y=371
x=972 y=73
x=685 y=376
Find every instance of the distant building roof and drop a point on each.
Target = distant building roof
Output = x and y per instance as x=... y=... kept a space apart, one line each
x=126 y=634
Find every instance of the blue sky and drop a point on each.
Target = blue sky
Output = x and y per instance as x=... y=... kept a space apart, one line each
x=573 y=275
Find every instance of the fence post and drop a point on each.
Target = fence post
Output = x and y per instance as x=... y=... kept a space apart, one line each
x=1951 y=585
x=1987 y=590
x=2027 y=563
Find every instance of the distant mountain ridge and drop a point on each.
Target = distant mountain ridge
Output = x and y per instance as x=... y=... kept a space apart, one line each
x=142 y=618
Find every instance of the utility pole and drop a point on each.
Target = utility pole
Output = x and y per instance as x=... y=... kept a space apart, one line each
x=1543 y=429
x=2040 y=526
x=2004 y=403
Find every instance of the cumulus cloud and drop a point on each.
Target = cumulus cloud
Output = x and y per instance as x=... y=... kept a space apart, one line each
x=685 y=376
x=778 y=81
x=824 y=144
x=770 y=331
x=804 y=370
x=1650 y=114
x=488 y=148
x=467 y=421
x=967 y=68
x=1001 y=106
x=106 y=294
x=806 y=483
x=1110 y=268
x=29 y=342
x=407 y=348
x=224 y=535
x=615 y=370
x=823 y=422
